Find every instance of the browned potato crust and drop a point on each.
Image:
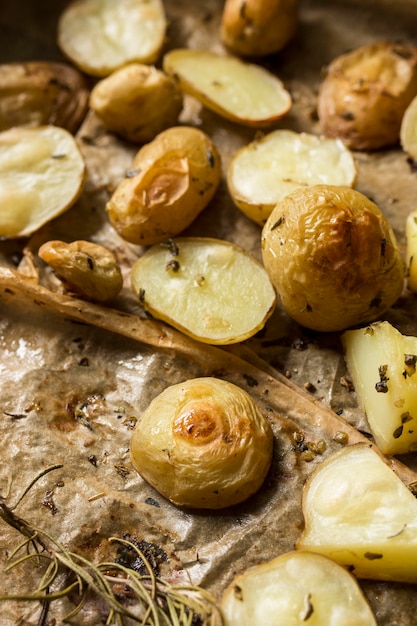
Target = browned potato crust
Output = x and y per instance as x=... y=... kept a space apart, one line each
x=365 y=93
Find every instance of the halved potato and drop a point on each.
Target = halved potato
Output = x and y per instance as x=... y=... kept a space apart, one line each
x=408 y=130
x=203 y=443
x=411 y=247
x=242 y=92
x=210 y=289
x=42 y=173
x=263 y=172
x=99 y=36
x=296 y=588
x=358 y=512
x=382 y=364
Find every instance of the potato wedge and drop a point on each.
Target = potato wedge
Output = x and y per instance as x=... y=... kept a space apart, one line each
x=296 y=588
x=203 y=443
x=42 y=93
x=332 y=257
x=244 y=93
x=382 y=365
x=411 y=250
x=408 y=130
x=366 y=92
x=99 y=36
x=173 y=178
x=212 y=290
x=42 y=173
x=263 y=172
x=137 y=102
x=359 y=513
x=258 y=28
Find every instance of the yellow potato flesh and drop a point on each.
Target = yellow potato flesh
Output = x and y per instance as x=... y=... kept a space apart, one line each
x=42 y=173
x=411 y=249
x=382 y=366
x=408 y=130
x=359 y=513
x=212 y=290
x=294 y=589
x=242 y=92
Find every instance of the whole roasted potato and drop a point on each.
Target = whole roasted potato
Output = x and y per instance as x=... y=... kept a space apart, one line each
x=172 y=180
x=258 y=27
x=333 y=257
x=365 y=93
x=137 y=102
x=42 y=93
x=203 y=443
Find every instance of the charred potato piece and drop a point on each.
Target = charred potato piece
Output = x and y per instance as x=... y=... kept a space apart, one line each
x=333 y=257
x=203 y=443
x=258 y=28
x=86 y=268
x=42 y=93
x=172 y=180
x=365 y=93
x=137 y=102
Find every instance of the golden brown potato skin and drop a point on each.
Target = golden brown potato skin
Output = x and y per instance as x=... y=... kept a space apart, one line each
x=42 y=93
x=258 y=27
x=173 y=179
x=332 y=257
x=365 y=93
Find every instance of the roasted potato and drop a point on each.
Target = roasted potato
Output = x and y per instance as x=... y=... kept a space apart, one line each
x=365 y=93
x=173 y=178
x=411 y=250
x=99 y=36
x=42 y=93
x=408 y=130
x=203 y=443
x=137 y=102
x=258 y=28
x=244 y=93
x=263 y=172
x=333 y=257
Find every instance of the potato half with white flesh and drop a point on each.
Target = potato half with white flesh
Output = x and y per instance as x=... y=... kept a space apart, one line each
x=173 y=178
x=203 y=443
x=358 y=512
x=332 y=257
x=366 y=92
x=411 y=249
x=99 y=36
x=263 y=172
x=296 y=588
x=42 y=173
x=245 y=93
x=210 y=289
x=408 y=130
x=382 y=365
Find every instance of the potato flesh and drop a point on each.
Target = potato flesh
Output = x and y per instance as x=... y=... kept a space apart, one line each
x=242 y=92
x=265 y=171
x=411 y=248
x=219 y=294
x=359 y=513
x=408 y=130
x=100 y=36
x=41 y=174
x=296 y=588
x=381 y=363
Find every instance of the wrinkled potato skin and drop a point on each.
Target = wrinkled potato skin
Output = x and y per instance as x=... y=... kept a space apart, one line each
x=42 y=93
x=333 y=258
x=365 y=93
x=256 y=28
x=137 y=102
x=86 y=268
x=177 y=175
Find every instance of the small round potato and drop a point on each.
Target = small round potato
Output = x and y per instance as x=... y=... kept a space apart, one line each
x=137 y=102
x=258 y=28
x=172 y=180
x=365 y=93
x=203 y=443
x=86 y=268
x=333 y=257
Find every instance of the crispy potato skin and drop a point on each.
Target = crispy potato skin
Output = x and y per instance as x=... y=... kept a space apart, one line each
x=42 y=93
x=177 y=175
x=332 y=257
x=365 y=93
x=258 y=27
